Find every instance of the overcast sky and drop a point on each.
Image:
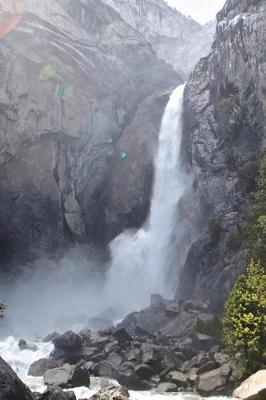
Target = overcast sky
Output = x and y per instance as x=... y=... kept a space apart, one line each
x=201 y=10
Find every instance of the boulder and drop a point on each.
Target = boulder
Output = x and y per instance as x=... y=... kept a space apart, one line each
x=39 y=367
x=196 y=362
x=133 y=354
x=23 y=345
x=166 y=387
x=111 y=347
x=99 y=340
x=221 y=358
x=56 y=393
x=178 y=378
x=114 y=359
x=122 y=336
x=151 y=356
x=201 y=342
x=214 y=381
x=144 y=372
x=11 y=387
x=69 y=341
x=261 y=395
x=68 y=376
x=111 y=393
x=252 y=386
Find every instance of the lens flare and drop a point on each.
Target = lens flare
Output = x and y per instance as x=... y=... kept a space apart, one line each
x=10 y=15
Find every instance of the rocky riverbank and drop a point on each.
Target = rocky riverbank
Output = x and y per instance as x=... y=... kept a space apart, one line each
x=156 y=349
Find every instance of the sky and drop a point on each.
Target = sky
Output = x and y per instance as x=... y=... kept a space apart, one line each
x=201 y=10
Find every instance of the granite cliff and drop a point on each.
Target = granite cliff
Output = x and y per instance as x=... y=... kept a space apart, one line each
x=224 y=134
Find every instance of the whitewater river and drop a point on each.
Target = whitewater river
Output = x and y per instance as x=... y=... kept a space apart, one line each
x=20 y=361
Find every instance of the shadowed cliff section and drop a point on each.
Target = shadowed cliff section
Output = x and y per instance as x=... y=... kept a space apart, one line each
x=74 y=78
x=225 y=115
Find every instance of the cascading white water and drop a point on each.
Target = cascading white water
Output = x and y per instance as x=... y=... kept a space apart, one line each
x=141 y=261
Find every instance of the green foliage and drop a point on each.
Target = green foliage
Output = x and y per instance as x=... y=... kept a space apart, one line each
x=211 y=328
x=244 y=320
x=255 y=228
x=215 y=229
x=2 y=308
x=247 y=175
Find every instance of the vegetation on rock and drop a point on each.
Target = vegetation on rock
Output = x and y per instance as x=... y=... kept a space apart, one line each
x=255 y=228
x=244 y=320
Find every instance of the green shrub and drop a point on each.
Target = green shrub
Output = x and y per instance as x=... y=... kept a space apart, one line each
x=255 y=227
x=211 y=328
x=247 y=175
x=244 y=319
x=2 y=308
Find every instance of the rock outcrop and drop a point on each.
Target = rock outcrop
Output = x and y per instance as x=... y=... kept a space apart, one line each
x=81 y=93
x=224 y=133
x=252 y=386
x=176 y=39
x=11 y=387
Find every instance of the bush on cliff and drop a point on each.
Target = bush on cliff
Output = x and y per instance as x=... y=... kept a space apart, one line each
x=255 y=228
x=2 y=308
x=244 y=320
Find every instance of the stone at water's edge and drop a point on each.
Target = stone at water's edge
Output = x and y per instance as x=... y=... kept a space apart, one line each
x=111 y=393
x=11 y=387
x=253 y=386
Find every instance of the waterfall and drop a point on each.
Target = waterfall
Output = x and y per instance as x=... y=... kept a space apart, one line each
x=142 y=261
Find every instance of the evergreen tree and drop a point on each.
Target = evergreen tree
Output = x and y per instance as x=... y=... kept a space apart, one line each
x=244 y=320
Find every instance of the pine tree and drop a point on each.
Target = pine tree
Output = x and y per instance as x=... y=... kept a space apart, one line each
x=244 y=320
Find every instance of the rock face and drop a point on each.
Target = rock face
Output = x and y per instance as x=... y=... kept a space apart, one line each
x=252 y=385
x=81 y=93
x=176 y=39
x=224 y=133
x=11 y=387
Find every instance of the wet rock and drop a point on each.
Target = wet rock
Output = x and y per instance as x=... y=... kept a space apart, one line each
x=111 y=393
x=56 y=393
x=11 y=387
x=144 y=372
x=214 y=381
x=39 y=367
x=252 y=386
x=178 y=378
x=166 y=387
x=69 y=341
x=68 y=376
x=23 y=345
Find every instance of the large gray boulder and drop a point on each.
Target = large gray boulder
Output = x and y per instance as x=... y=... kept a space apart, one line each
x=39 y=367
x=11 y=387
x=215 y=381
x=252 y=385
x=68 y=376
